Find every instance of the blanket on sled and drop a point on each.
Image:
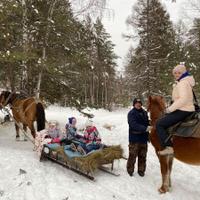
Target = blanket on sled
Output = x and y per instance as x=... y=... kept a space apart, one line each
x=42 y=137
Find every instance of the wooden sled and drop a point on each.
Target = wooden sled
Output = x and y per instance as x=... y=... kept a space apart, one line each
x=85 y=165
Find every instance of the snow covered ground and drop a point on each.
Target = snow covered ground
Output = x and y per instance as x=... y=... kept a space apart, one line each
x=47 y=180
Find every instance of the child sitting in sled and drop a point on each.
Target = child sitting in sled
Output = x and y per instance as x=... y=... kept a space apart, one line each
x=71 y=132
x=54 y=132
x=91 y=139
x=47 y=136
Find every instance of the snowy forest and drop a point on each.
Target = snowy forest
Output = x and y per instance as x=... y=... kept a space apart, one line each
x=62 y=59
x=67 y=57
x=161 y=46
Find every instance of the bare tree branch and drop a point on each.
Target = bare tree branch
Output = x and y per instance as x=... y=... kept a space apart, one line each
x=92 y=7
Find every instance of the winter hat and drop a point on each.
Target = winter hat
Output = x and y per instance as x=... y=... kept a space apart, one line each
x=53 y=123
x=89 y=123
x=180 y=68
x=137 y=100
x=71 y=119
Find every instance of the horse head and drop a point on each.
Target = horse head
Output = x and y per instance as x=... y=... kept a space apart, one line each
x=5 y=98
x=156 y=106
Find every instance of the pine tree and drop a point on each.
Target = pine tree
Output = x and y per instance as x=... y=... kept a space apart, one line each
x=153 y=55
x=11 y=42
x=192 y=52
x=49 y=51
x=105 y=65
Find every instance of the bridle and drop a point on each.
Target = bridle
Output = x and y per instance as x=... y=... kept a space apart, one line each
x=7 y=99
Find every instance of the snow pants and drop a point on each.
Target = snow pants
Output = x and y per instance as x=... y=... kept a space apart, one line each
x=137 y=151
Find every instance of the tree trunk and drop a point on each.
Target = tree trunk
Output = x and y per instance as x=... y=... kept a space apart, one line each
x=85 y=91
x=24 y=73
x=147 y=53
x=106 y=92
x=45 y=44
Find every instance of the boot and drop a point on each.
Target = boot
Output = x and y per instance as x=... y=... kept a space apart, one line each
x=81 y=150
x=130 y=173
x=73 y=147
x=141 y=173
x=166 y=151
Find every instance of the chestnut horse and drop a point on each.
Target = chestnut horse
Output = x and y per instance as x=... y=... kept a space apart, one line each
x=185 y=149
x=25 y=111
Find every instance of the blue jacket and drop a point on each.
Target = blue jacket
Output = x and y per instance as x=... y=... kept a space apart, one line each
x=138 y=122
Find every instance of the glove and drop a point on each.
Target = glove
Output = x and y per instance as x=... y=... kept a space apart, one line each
x=167 y=111
x=149 y=128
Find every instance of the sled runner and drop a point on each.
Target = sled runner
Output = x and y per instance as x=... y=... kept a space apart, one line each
x=87 y=164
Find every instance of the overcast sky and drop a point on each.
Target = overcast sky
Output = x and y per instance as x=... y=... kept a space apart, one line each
x=115 y=23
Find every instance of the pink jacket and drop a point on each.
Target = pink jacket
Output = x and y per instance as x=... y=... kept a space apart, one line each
x=91 y=135
x=182 y=95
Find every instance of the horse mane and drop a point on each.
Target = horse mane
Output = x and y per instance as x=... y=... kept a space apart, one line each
x=156 y=107
x=12 y=96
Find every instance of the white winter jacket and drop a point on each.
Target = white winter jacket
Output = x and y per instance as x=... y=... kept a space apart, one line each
x=182 y=95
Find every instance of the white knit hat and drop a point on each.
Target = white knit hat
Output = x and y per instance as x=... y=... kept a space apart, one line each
x=180 y=68
x=53 y=123
x=89 y=123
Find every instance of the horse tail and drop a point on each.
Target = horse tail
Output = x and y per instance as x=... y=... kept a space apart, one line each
x=40 y=115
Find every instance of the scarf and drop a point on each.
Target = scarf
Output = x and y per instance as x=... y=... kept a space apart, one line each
x=184 y=75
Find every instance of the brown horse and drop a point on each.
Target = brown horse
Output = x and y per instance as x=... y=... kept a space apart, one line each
x=25 y=111
x=185 y=149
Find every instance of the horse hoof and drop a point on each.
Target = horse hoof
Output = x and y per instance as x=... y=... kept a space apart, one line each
x=17 y=139
x=163 y=190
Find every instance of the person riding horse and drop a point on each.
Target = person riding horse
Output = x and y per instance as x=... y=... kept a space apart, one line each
x=182 y=107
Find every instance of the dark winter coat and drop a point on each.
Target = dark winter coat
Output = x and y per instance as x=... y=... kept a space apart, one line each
x=138 y=122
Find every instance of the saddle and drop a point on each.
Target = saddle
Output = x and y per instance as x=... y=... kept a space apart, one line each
x=190 y=127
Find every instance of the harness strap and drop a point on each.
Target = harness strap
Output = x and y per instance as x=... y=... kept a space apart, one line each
x=195 y=98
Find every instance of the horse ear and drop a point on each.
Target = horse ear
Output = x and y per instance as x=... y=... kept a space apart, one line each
x=149 y=103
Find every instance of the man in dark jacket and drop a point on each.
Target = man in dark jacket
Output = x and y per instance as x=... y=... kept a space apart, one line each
x=138 y=137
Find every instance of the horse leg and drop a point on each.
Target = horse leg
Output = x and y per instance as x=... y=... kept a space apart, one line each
x=31 y=126
x=166 y=166
x=25 y=127
x=171 y=158
x=17 y=131
x=25 y=130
